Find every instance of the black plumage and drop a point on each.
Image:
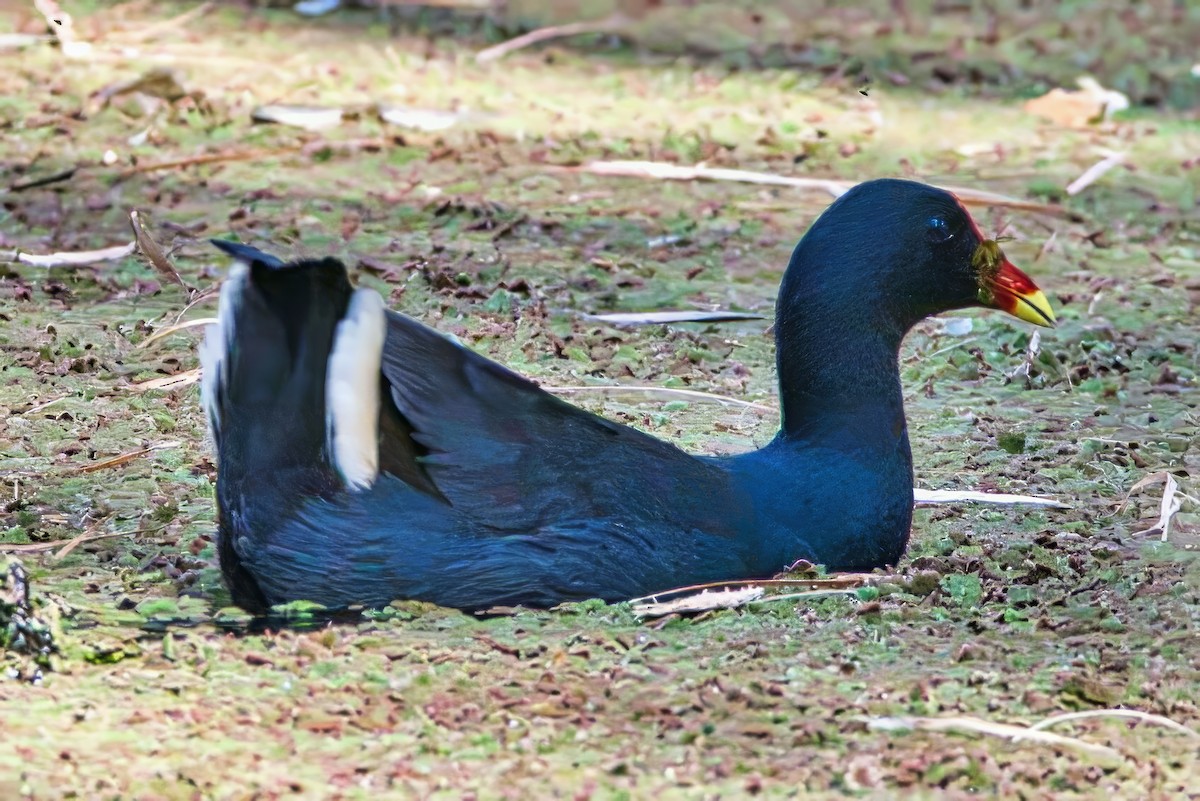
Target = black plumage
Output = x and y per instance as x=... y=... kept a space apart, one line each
x=482 y=489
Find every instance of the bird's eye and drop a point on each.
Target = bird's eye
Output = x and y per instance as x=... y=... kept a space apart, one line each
x=939 y=230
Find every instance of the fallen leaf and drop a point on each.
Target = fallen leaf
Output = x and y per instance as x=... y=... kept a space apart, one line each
x=1091 y=104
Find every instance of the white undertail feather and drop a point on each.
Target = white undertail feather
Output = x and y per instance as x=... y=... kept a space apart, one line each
x=352 y=390
x=215 y=346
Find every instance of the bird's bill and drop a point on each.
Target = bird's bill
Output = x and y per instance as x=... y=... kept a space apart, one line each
x=1002 y=286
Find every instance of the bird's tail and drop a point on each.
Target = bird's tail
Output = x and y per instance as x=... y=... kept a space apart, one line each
x=291 y=387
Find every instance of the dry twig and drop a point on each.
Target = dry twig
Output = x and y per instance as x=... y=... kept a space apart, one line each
x=45 y=180
x=839 y=582
x=168 y=382
x=673 y=172
x=1025 y=368
x=665 y=171
x=306 y=148
x=1145 y=717
x=734 y=594
x=173 y=329
x=1007 y=731
x=68 y=546
x=75 y=542
x=957 y=496
x=159 y=28
x=129 y=456
x=666 y=392
x=709 y=600
x=77 y=258
x=607 y=25
x=1093 y=173
x=1169 y=506
x=209 y=158
x=671 y=317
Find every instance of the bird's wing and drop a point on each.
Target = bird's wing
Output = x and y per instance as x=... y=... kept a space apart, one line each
x=510 y=456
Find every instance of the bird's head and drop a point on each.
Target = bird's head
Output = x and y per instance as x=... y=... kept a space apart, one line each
x=891 y=252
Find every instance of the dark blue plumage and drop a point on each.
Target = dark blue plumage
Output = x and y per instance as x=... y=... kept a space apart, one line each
x=248 y=254
x=484 y=490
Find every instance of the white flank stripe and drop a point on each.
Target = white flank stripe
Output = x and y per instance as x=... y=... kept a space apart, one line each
x=216 y=345
x=352 y=390
x=212 y=356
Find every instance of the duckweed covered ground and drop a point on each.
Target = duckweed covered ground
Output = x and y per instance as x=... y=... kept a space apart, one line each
x=1000 y=615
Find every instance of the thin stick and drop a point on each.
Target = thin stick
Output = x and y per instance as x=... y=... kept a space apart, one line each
x=128 y=456
x=674 y=172
x=699 y=602
x=1094 y=172
x=76 y=258
x=1147 y=717
x=307 y=148
x=1047 y=246
x=607 y=25
x=208 y=158
x=1146 y=481
x=44 y=405
x=168 y=382
x=671 y=317
x=158 y=28
x=849 y=580
x=976 y=726
x=958 y=496
x=46 y=180
x=792 y=596
x=688 y=394
x=666 y=171
x=36 y=547
x=173 y=329
x=1167 y=509
x=82 y=538
x=727 y=599
x=481 y=5
x=183 y=52
x=199 y=297
x=946 y=349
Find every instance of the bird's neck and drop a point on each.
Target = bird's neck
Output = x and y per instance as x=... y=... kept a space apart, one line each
x=839 y=383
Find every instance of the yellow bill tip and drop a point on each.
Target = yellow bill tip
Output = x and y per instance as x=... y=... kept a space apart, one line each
x=1035 y=308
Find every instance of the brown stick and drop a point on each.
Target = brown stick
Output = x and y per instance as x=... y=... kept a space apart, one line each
x=606 y=25
x=65 y=175
x=977 y=726
x=685 y=394
x=674 y=172
x=158 y=28
x=129 y=456
x=208 y=158
x=1135 y=714
x=306 y=148
x=1094 y=172
x=82 y=538
x=68 y=545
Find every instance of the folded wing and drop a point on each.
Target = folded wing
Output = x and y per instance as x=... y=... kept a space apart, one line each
x=509 y=455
